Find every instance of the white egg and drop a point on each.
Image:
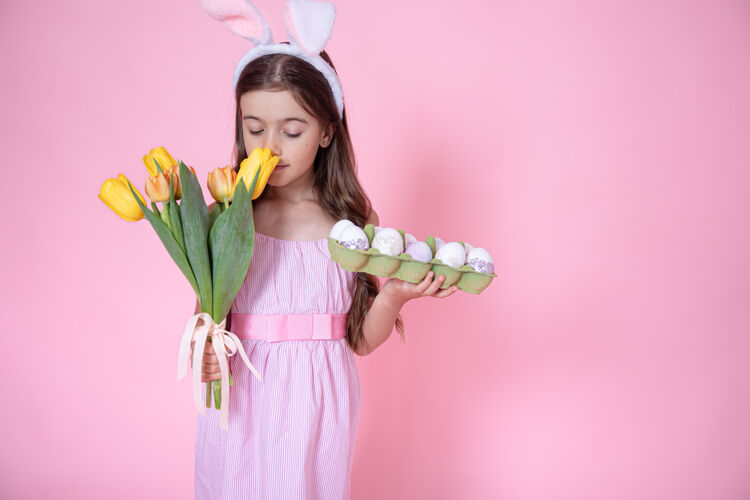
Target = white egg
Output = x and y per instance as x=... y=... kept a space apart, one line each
x=353 y=237
x=339 y=227
x=452 y=254
x=469 y=247
x=438 y=243
x=480 y=260
x=410 y=239
x=378 y=229
x=388 y=241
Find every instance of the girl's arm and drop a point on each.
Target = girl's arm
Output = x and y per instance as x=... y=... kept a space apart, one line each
x=381 y=317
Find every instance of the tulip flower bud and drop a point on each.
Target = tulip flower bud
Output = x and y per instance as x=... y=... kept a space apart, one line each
x=158 y=188
x=178 y=182
x=221 y=183
x=116 y=194
x=162 y=156
x=259 y=159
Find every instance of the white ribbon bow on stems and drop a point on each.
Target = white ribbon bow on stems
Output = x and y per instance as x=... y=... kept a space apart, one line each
x=225 y=344
x=213 y=250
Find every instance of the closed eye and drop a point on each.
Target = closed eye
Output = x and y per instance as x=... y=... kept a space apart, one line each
x=255 y=132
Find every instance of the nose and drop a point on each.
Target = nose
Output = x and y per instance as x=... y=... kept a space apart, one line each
x=273 y=142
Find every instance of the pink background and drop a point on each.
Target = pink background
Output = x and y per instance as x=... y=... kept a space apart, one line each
x=600 y=152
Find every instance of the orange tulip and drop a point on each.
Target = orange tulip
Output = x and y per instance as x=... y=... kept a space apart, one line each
x=221 y=183
x=158 y=188
x=178 y=182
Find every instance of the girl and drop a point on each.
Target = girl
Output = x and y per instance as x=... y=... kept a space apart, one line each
x=292 y=434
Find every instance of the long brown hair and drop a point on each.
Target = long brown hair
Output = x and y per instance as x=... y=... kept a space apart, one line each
x=336 y=187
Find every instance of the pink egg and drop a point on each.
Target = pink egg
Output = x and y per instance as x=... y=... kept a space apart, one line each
x=419 y=250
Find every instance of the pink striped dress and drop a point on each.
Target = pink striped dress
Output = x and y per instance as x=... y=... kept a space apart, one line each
x=291 y=435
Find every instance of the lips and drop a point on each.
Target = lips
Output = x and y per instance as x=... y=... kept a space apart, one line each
x=281 y=166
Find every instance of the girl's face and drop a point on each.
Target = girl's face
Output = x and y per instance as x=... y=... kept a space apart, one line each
x=274 y=120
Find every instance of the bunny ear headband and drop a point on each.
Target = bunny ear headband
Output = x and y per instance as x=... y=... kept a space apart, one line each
x=308 y=25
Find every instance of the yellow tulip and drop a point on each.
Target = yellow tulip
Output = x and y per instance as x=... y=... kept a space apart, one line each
x=259 y=159
x=221 y=183
x=158 y=188
x=116 y=194
x=161 y=155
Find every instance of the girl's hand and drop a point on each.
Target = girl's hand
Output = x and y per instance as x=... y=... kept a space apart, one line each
x=210 y=369
x=400 y=291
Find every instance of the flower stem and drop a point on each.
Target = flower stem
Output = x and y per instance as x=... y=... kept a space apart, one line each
x=217 y=394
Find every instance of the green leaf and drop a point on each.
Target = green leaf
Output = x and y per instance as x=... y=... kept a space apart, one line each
x=194 y=218
x=174 y=216
x=158 y=167
x=169 y=242
x=231 y=243
x=215 y=213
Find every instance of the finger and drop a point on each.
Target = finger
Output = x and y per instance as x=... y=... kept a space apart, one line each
x=425 y=283
x=446 y=293
x=435 y=285
x=209 y=378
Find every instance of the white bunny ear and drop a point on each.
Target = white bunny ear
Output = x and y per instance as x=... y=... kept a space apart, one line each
x=309 y=24
x=242 y=17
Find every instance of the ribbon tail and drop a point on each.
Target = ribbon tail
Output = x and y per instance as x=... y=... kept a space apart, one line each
x=184 y=354
x=243 y=354
x=200 y=341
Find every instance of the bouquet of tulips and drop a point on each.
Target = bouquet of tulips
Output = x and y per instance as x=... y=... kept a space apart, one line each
x=212 y=248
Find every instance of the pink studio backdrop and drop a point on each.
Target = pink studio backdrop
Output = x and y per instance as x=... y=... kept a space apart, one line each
x=599 y=150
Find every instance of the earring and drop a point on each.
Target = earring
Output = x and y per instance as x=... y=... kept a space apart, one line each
x=325 y=143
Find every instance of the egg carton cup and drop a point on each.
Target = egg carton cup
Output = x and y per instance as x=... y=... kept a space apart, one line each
x=406 y=268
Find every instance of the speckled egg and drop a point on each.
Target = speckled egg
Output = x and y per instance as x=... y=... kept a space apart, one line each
x=452 y=254
x=388 y=241
x=480 y=260
x=353 y=237
x=419 y=250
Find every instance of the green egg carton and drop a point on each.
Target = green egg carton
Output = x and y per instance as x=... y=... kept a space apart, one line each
x=406 y=268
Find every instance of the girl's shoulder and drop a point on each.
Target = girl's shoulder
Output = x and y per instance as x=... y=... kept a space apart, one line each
x=373 y=218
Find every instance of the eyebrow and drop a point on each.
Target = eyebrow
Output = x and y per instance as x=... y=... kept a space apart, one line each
x=293 y=118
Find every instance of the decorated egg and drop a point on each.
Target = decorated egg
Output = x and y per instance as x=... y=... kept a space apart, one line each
x=419 y=250
x=354 y=238
x=339 y=227
x=480 y=260
x=388 y=241
x=468 y=247
x=410 y=239
x=438 y=243
x=451 y=254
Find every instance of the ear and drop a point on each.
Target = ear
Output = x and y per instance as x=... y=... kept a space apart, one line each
x=309 y=24
x=327 y=137
x=242 y=17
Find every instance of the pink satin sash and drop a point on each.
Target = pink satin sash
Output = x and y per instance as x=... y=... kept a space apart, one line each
x=280 y=327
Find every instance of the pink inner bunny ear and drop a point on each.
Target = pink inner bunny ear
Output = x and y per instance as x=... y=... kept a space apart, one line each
x=242 y=17
x=309 y=24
